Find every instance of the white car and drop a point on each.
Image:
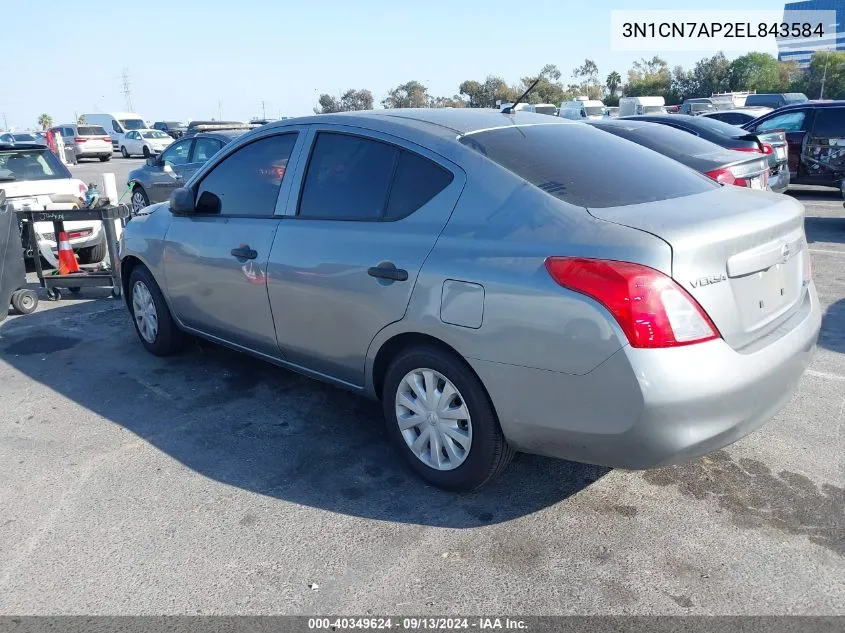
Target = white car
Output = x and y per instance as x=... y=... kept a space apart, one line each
x=144 y=142
x=34 y=178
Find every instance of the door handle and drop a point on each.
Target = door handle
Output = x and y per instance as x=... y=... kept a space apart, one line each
x=244 y=252
x=388 y=271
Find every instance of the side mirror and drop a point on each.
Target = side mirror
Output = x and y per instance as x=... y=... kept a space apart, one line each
x=182 y=202
x=152 y=160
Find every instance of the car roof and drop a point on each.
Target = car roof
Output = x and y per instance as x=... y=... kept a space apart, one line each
x=226 y=135
x=444 y=122
x=810 y=104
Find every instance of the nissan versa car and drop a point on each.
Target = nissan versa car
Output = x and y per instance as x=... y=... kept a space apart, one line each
x=481 y=275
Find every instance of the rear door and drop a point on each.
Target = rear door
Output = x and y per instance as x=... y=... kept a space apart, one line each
x=795 y=124
x=825 y=152
x=345 y=260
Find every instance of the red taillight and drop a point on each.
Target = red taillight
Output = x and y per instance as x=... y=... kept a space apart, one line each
x=756 y=150
x=80 y=140
x=724 y=177
x=650 y=307
x=768 y=149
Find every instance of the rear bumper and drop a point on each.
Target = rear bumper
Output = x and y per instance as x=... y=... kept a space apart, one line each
x=649 y=408
x=779 y=180
x=94 y=152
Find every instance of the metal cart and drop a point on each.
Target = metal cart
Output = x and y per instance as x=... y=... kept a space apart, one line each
x=103 y=278
x=12 y=269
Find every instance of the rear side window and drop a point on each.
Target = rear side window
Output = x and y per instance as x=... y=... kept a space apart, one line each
x=587 y=167
x=91 y=130
x=248 y=181
x=354 y=178
x=830 y=123
x=416 y=181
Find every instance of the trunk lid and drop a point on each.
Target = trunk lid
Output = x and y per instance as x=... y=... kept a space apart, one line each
x=741 y=254
x=777 y=139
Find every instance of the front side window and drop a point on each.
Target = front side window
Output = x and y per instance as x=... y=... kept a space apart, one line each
x=176 y=154
x=247 y=182
x=116 y=127
x=830 y=123
x=790 y=122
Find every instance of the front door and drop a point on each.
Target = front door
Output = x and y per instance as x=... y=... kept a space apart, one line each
x=795 y=123
x=346 y=258
x=215 y=261
x=168 y=173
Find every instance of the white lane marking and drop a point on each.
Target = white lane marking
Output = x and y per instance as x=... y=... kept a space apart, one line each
x=826 y=251
x=825 y=374
x=161 y=393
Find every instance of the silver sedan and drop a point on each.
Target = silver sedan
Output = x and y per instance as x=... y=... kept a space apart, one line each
x=500 y=282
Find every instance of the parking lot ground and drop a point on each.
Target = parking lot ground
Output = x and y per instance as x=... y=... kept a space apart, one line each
x=214 y=483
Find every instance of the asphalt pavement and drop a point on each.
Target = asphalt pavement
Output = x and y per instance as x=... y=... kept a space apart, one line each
x=213 y=483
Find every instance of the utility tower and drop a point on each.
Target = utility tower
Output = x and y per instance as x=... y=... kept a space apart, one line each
x=127 y=92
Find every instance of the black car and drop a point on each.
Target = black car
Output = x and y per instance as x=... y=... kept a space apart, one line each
x=175 y=129
x=771 y=143
x=722 y=165
x=815 y=131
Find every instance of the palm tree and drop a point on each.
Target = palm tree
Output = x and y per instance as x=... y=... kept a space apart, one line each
x=613 y=81
x=45 y=121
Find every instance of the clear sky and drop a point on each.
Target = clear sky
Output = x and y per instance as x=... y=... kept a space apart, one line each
x=186 y=57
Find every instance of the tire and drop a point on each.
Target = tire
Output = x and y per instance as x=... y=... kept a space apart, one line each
x=123 y=152
x=139 y=198
x=75 y=290
x=147 y=152
x=93 y=254
x=488 y=453
x=24 y=301
x=105 y=159
x=167 y=339
x=54 y=294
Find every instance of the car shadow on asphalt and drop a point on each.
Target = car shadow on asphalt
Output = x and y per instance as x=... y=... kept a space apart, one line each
x=832 y=335
x=250 y=424
x=825 y=229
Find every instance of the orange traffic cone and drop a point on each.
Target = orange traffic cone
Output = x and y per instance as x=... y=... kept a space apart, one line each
x=67 y=260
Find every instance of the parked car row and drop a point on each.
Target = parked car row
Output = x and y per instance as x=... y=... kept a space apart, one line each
x=490 y=279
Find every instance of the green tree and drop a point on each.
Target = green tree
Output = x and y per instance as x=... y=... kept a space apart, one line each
x=45 y=121
x=825 y=78
x=474 y=91
x=408 y=95
x=612 y=82
x=649 y=77
x=327 y=104
x=710 y=75
x=495 y=89
x=548 y=88
x=447 y=102
x=356 y=100
x=81 y=120
x=754 y=71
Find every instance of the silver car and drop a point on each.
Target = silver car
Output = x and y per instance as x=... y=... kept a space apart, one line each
x=500 y=282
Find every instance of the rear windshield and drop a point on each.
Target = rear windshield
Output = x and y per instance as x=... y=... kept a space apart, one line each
x=544 y=109
x=666 y=140
x=594 y=110
x=718 y=127
x=18 y=165
x=795 y=97
x=90 y=130
x=24 y=138
x=652 y=109
x=587 y=167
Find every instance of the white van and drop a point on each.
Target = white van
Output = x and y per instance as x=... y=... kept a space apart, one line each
x=116 y=124
x=630 y=106
x=582 y=109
